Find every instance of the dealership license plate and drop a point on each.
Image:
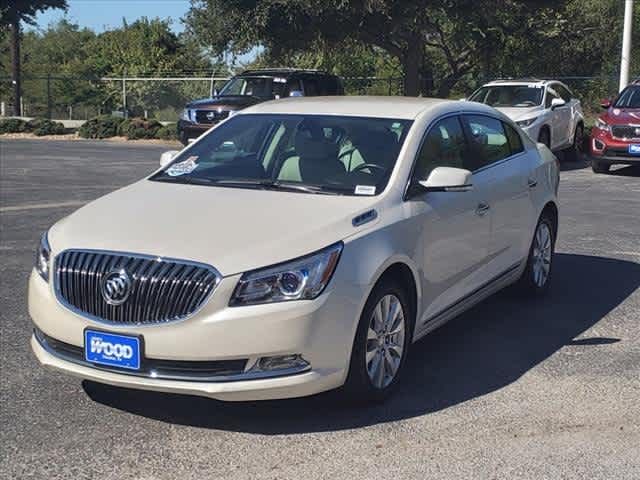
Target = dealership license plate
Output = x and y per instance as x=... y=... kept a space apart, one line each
x=113 y=350
x=634 y=149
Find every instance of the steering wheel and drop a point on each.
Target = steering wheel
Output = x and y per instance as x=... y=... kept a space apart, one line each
x=364 y=166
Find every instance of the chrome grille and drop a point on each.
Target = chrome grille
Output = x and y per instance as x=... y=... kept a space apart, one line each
x=626 y=132
x=202 y=116
x=162 y=290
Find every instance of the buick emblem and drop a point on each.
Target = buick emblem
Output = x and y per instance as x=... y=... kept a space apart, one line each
x=116 y=287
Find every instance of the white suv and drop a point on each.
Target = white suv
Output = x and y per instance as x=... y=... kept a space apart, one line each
x=546 y=110
x=298 y=246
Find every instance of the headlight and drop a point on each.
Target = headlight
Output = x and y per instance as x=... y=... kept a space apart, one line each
x=301 y=279
x=526 y=123
x=602 y=125
x=43 y=256
x=186 y=115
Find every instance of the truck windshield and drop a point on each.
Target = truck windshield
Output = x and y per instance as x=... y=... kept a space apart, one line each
x=629 y=98
x=509 y=96
x=305 y=153
x=262 y=87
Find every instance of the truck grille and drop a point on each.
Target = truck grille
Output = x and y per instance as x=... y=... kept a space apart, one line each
x=626 y=131
x=216 y=116
x=157 y=290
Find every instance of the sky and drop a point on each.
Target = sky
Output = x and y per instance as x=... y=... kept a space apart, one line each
x=100 y=15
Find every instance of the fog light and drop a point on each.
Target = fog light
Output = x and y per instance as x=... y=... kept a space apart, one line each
x=281 y=362
x=598 y=145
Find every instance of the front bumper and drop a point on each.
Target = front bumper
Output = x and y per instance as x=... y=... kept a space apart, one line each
x=321 y=331
x=189 y=130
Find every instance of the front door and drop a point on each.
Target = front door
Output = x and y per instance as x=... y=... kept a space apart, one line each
x=453 y=227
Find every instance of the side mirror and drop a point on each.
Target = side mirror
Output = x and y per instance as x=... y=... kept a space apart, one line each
x=557 y=102
x=296 y=93
x=166 y=157
x=214 y=93
x=605 y=103
x=448 y=179
x=463 y=99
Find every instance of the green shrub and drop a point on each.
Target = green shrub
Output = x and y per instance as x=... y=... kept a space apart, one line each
x=43 y=126
x=104 y=126
x=13 y=125
x=137 y=128
x=168 y=132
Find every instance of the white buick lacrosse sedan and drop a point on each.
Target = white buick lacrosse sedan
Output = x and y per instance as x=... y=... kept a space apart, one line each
x=299 y=246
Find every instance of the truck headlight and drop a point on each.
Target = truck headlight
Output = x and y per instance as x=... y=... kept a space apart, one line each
x=43 y=258
x=526 y=123
x=300 y=279
x=186 y=115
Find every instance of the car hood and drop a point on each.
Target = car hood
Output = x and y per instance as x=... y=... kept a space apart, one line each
x=232 y=229
x=229 y=101
x=621 y=116
x=520 y=113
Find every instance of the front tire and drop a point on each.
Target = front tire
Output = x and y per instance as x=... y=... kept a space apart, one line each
x=574 y=152
x=544 y=137
x=598 y=167
x=537 y=274
x=381 y=344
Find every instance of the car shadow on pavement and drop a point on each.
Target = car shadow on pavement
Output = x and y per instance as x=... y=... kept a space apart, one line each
x=629 y=171
x=483 y=350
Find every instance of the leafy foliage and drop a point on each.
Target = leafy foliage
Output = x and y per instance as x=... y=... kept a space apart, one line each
x=13 y=125
x=105 y=126
x=44 y=126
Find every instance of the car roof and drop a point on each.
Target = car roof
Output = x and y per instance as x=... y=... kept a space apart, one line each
x=281 y=72
x=519 y=81
x=406 y=108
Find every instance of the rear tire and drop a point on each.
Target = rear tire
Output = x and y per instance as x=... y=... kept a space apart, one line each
x=537 y=274
x=382 y=340
x=598 y=167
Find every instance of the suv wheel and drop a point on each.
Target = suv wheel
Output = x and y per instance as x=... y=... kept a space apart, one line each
x=544 y=137
x=381 y=344
x=598 y=167
x=574 y=152
x=537 y=274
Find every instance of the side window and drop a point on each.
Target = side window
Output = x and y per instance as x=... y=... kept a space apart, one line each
x=311 y=88
x=564 y=93
x=292 y=85
x=488 y=141
x=515 y=140
x=329 y=86
x=551 y=94
x=444 y=146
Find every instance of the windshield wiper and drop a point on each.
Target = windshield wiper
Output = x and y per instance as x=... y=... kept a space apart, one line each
x=258 y=184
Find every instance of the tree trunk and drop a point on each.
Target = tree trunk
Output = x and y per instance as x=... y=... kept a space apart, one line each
x=411 y=68
x=15 y=73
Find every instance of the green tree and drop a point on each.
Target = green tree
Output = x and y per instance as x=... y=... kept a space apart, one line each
x=437 y=42
x=12 y=13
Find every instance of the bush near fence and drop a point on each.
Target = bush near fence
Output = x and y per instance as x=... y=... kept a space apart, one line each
x=106 y=126
x=37 y=126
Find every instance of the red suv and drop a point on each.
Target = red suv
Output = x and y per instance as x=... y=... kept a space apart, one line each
x=615 y=138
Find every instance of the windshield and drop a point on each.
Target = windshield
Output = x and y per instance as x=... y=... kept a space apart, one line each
x=262 y=87
x=629 y=98
x=509 y=96
x=305 y=153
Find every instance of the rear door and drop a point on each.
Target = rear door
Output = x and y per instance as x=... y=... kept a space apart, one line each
x=504 y=163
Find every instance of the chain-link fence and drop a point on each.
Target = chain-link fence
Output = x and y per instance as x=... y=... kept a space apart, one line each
x=163 y=98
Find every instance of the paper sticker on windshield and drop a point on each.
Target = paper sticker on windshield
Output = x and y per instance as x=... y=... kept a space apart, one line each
x=365 y=190
x=183 y=168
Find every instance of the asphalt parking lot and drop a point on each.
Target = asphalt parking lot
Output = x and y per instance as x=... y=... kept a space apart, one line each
x=511 y=389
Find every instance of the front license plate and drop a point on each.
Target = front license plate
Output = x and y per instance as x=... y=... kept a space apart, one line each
x=113 y=350
x=634 y=149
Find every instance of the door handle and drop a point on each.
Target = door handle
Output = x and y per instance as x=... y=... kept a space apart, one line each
x=482 y=209
x=532 y=183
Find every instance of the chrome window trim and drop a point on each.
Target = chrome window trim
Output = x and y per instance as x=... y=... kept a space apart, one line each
x=102 y=321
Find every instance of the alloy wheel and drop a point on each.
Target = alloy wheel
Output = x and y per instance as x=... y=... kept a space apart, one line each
x=385 y=341
x=541 y=258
